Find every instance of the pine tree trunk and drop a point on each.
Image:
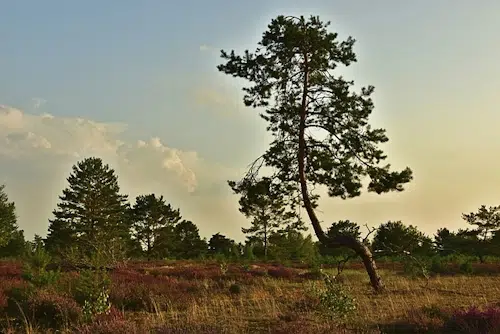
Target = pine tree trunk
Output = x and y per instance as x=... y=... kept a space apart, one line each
x=149 y=249
x=265 y=243
x=340 y=240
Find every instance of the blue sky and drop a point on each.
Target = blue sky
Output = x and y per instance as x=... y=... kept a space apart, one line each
x=151 y=65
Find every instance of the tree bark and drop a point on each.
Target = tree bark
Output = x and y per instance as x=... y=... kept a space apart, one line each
x=265 y=244
x=265 y=235
x=340 y=240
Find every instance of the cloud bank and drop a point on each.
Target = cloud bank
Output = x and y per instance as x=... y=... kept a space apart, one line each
x=37 y=152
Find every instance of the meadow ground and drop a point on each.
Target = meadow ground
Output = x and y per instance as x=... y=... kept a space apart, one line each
x=209 y=297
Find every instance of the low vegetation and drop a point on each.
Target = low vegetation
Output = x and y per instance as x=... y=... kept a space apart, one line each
x=200 y=297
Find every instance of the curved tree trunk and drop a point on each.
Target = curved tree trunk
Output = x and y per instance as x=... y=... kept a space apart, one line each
x=348 y=241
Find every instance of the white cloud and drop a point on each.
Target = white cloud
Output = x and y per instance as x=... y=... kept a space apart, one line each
x=37 y=152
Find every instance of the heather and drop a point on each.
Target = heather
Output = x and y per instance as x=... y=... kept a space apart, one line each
x=200 y=297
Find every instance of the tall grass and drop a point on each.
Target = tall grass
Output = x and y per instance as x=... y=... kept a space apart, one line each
x=200 y=298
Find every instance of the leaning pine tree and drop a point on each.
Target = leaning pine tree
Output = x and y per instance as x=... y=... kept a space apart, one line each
x=320 y=126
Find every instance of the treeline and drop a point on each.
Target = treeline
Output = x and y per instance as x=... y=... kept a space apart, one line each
x=93 y=217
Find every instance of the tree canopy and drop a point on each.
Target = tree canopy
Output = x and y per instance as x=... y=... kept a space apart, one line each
x=342 y=227
x=398 y=238
x=8 y=219
x=263 y=201
x=320 y=126
x=91 y=212
x=151 y=217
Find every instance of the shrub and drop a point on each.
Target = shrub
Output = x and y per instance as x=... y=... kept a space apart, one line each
x=96 y=306
x=92 y=292
x=5 y=287
x=437 y=266
x=18 y=299
x=51 y=310
x=10 y=269
x=282 y=272
x=474 y=320
x=235 y=289
x=334 y=299
x=47 y=308
x=223 y=268
x=134 y=291
x=416 y=268
x=315 y=272
x=35 y=268
x=466 y=268
x=90 y=284
x=3 y=299
x=130 y=296
x=258 y=272
x=195 y=273
x=38 y=259
x=42 y=278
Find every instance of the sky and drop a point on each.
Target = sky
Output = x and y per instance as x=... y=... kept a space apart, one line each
x=135 y=83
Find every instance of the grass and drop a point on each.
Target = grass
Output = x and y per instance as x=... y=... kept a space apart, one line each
x=190 y=297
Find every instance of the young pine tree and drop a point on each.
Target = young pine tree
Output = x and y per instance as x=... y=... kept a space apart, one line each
x=92 y=214
x=263 y=201
x=151 y=216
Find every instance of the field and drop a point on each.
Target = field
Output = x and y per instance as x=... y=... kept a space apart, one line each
x=212 y=297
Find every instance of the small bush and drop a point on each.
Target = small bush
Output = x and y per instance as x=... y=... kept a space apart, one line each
x=437 y=266
x=44 y=307
x=42 y=278
x=96 y=306
x=235 y=289
x=416 y=268
x=334 y=299
x=92 y=292
x=315 y=272
x=53 y=311
x=466 y=268
x=5 y=287
x=38 y=259
x=17 y=299
x=258 y=272
x=90 y=284
x=475 y=321
x=195 y=273
x=10 y=269
x=281 y=272
x=134 y=291
x=434 y=311
x=35 y=269
x=3 y=299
